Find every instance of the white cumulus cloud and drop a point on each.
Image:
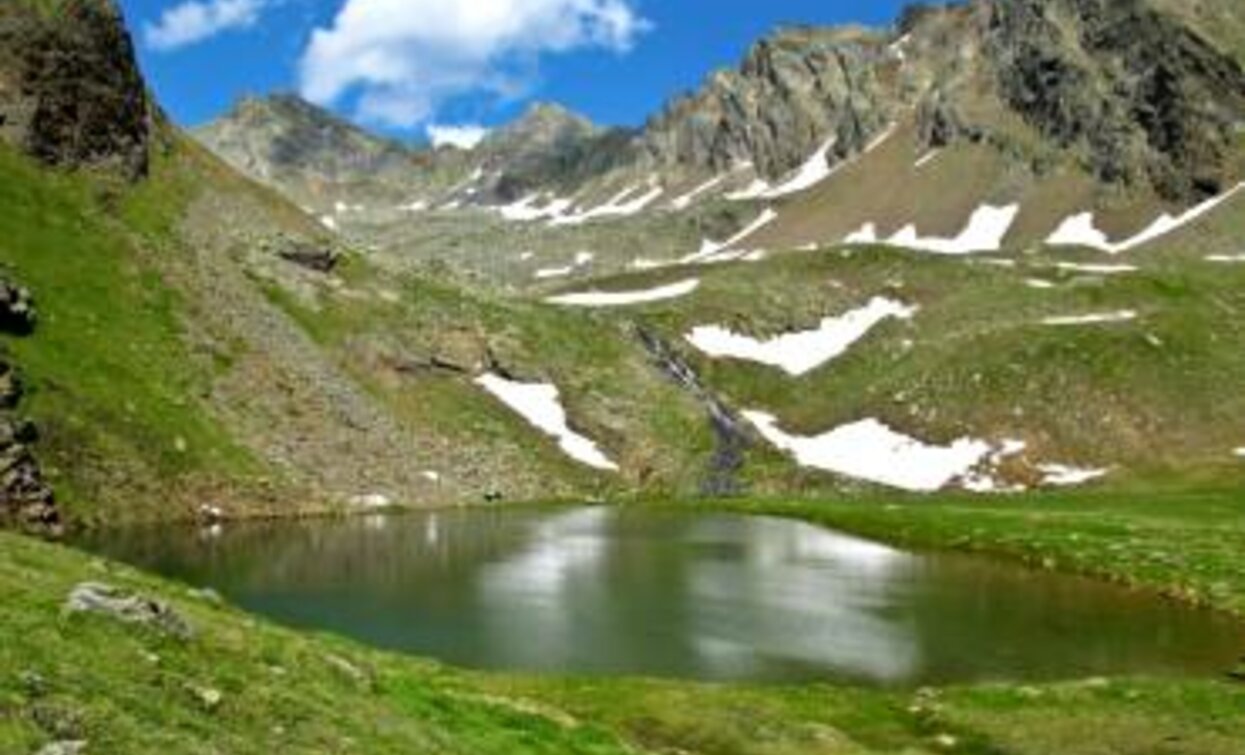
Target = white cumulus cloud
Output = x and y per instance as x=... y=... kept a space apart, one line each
x=194 y=21
x=407 y=57
x=462 y=136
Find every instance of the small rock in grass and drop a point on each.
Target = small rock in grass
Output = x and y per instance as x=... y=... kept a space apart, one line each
x=67 y=747
x=107 y=600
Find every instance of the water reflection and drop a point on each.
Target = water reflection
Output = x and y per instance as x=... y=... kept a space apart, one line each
x=599 y=590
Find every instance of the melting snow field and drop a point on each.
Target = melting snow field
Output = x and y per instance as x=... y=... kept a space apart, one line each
x=986 y=229
x=618 y=206
x=1098 y=318
x=720 y=251
x=869 y=450
x=800 y=353
x=1079 y=230
x=1229 y=259
x=540 y=405
x=817 y=168
x=626 y=298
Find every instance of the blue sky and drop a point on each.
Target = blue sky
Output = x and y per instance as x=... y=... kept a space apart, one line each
x=400 y=65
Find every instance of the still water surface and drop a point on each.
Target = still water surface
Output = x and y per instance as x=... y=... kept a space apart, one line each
x=693 y=595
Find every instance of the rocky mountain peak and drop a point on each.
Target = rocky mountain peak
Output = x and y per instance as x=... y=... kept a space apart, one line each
x=544 y=125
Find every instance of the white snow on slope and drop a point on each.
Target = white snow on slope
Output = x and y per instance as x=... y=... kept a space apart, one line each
x=986 y=229
x=800 y=353
x=417 y=205
x=1039 y=283
x=1076 y=267
x=1079 y=230
x=1062 y=475
x=1229 y=259
x=754 y=190
x=626 y=298
x=711 y=251
x=869 y=450
x=818 y=168
x=814 y=170
x=582 y=259
x=618 y=206
x=329 y=222
x=1239 y=453
x=540 y=405
x=1099 y=318
x=927 y=158
x=526 y=211
x=685 y=201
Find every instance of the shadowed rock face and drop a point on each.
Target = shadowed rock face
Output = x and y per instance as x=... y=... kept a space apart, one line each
x=70 y=90
x=1141 y=95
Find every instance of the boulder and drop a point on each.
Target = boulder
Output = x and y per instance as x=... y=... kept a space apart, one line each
x=127 y=607
x=316 y=257
x=17 y=309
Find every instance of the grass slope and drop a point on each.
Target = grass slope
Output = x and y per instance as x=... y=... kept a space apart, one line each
x=1154 y=398
x=113 y=386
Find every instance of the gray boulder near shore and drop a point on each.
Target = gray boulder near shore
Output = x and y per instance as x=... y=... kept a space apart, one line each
x=128 y=607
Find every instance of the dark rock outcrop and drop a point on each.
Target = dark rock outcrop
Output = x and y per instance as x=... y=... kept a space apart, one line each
x=1139 y=94
x=71 y=93
x=315 y=257
x=25 y=498
x=17 y=310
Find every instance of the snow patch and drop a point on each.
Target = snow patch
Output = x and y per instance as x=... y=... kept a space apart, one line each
x=1093 y=269
x=754 y=190
x=1039 y=283
x=626 y=298
x=1098 y=318
x=618 y=206
x=329 y=222
x=800 y=353
x=1062 y=476
x=818 y=168
x=1079 y=230
x=540 y=404
x=927 y=158
x=713 y=251
x=1229 y=259
x=869 y=450
x=686 y=200
x=582 y=259
x=986 y=229
x=525 y=210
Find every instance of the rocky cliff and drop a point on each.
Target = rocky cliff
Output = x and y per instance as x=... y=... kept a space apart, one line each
x=794 y=91
x=70 y=90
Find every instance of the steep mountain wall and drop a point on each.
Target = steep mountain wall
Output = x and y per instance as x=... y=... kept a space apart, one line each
x=70 y=90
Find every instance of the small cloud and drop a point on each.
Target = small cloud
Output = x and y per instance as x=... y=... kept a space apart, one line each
x=406 y=59
x=194 y=21
x=462 y=136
